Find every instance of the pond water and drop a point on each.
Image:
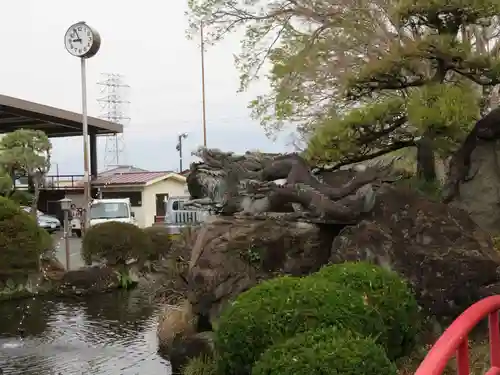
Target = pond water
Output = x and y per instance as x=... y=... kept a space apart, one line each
x=112 y=334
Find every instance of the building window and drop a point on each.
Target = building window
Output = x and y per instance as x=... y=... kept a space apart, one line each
x=134 y=196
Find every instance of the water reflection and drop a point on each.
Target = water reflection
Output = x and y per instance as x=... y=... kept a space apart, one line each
x=102 y=334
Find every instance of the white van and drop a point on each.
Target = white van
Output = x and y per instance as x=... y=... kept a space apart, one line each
x=104 y=210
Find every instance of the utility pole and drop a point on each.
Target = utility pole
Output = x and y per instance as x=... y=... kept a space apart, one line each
x=204 y=108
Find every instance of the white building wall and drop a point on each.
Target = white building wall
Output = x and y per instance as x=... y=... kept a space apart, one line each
x=171 y=186
x=146 y=212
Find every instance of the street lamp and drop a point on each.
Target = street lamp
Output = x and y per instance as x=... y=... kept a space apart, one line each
x=66 y=207
x=179 y=148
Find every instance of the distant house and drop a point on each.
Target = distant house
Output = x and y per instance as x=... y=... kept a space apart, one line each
x=146 y=190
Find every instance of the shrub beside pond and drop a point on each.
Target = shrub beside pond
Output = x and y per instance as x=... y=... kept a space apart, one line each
x=325 y=351
x=344 y=319
x=279 y=309
x=160 y=240
x=388 y=293
x=116 y=243
x=22 y=242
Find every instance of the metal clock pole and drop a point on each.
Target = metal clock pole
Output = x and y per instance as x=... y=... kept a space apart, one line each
x=83 y=41
x=85 y=126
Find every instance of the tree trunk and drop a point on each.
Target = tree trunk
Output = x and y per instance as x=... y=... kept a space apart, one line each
x=36 y=194
x=31 y=184
x=426 y=163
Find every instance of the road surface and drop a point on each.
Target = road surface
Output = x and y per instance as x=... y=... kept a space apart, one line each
x=75 y=245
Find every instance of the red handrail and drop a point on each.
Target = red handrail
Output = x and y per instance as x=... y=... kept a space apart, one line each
x=455 y=340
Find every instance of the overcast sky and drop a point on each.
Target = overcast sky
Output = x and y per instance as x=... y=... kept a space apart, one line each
x=144 y=41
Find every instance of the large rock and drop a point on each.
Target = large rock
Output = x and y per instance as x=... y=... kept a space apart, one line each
x=480 y=193
x=232 y=254
x=88 y=280
x=448 y=259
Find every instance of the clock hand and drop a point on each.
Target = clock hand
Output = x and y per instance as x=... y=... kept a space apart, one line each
x=77 y=36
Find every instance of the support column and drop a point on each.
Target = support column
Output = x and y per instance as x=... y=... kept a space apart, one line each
x=93 y=155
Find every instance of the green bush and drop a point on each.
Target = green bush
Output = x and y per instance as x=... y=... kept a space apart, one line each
x=22 y=242
x=279 y=309
x=388 y=293
x=22 y=197
x=200 y=366
x=115 y=243
x=323 y=352
x=160 y=240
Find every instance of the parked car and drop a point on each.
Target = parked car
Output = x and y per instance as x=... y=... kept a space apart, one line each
x=47 y=222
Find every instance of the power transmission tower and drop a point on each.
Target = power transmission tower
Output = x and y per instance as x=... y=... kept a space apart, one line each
x=114 y=108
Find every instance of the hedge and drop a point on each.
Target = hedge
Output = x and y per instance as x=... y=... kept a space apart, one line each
x=160 y=240
x=22 y=241
x=115 y=243
x=388 y=293
x=323 y=352
x=279 y=309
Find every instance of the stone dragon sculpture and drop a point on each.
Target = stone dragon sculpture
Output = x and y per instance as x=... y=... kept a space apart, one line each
x=264 y=184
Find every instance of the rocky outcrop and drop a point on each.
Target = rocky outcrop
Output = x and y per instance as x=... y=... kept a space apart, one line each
x=175 y=320
x=233 y=254
x=445 y=253
x=473 y=177
x=447 y=258
x=479 y=193
x=177 y=337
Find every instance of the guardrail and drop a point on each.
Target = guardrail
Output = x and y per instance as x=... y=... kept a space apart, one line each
x=455 y=340
x=64 y=182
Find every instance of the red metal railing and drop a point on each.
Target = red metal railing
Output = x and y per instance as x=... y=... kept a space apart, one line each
x=454 y=340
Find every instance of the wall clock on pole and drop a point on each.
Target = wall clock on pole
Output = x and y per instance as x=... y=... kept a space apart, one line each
x=81 y=40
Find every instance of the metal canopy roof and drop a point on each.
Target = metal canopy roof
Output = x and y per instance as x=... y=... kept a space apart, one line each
x=20 y=114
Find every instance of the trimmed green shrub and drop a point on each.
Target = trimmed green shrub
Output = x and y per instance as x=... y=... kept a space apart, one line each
x=279 y=309
x=115 y=243
x=161 y=241
x=22 y=242
x=323 y=352
x=388 y=293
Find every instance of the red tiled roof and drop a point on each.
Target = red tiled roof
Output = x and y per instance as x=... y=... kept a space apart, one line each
x=122 y=169
x=130 y=178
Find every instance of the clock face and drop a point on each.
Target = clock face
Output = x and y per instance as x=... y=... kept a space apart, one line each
x=79 y=39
